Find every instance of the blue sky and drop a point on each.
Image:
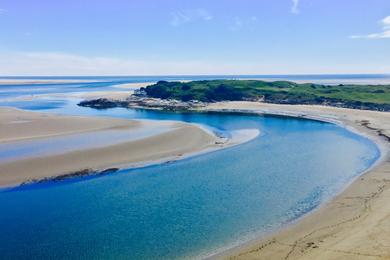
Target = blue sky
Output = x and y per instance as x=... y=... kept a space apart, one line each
x=145 y=37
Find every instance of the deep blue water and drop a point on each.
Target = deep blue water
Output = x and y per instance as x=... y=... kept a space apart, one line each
x=190 y=207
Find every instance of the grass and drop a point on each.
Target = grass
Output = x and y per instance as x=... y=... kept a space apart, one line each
x=376 y=97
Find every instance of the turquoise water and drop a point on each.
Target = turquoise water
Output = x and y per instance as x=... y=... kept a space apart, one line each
x=188 y=208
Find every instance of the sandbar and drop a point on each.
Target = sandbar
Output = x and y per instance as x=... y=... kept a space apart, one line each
x=176 y=141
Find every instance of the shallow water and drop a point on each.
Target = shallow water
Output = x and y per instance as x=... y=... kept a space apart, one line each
x=186 y=208
x=68 y=143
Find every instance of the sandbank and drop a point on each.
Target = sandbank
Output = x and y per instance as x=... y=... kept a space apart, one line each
x=16 y=126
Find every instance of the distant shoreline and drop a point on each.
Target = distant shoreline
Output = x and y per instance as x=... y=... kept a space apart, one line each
x=39 y=81
x=298 y=78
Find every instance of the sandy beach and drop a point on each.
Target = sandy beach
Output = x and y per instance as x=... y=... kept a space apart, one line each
x=353 y=225
x=176 y=141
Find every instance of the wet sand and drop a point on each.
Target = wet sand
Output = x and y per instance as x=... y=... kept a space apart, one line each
x=178 y=140
x=356 y=223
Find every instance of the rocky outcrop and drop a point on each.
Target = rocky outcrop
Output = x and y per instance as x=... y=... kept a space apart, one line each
x=142 y=102
x=102 y=103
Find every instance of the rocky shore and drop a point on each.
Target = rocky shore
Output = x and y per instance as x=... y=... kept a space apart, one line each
x=142 y=102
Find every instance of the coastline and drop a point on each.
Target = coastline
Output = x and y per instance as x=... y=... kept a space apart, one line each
x=370 y=124
x=19 y=127
x=315 y=234
x=346 y=226
x=155 y=147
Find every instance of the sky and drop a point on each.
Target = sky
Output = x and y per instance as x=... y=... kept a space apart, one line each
x=179 y=37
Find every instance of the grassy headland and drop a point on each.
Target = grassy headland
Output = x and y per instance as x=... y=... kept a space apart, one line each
x=373 y=97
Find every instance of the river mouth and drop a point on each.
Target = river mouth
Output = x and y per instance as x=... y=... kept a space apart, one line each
x=189 y=208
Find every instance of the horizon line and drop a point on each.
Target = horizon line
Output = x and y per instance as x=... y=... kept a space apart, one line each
x=204 y=75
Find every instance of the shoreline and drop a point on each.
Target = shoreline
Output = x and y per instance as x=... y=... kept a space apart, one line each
x=162 y=147
x=273 y=245
x=139 y=141
x=238 y=138
x=343 y=117
x=269 y=245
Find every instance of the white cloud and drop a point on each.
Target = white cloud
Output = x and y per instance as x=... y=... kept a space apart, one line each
x=2 y=11
x=385 y=22
x=185 y=16
x=295 y=7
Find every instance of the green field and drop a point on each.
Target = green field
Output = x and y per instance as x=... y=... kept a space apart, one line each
x=375 y=97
